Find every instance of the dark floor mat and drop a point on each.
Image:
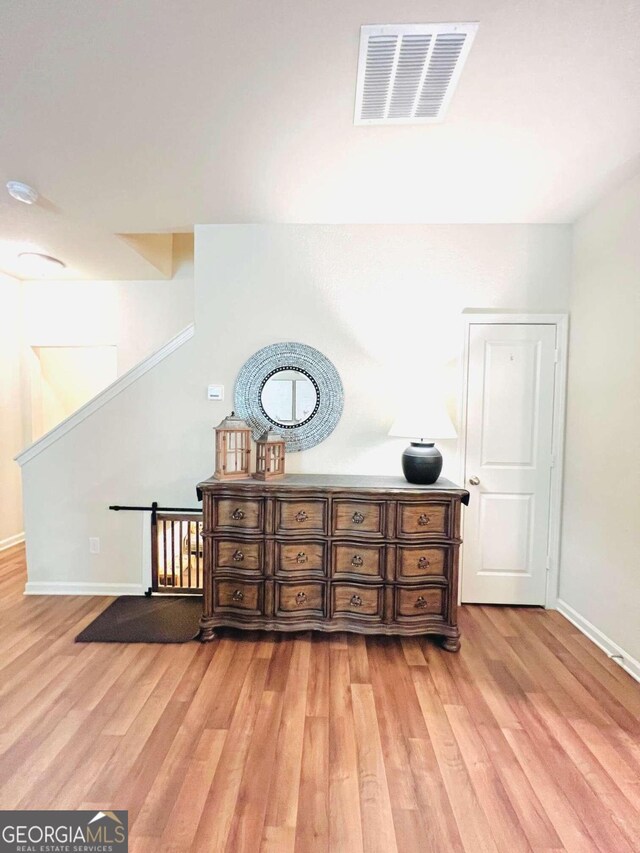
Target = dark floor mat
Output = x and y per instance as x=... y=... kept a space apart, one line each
x=138 y=619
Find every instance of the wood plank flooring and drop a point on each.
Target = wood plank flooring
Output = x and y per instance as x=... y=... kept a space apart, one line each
x=528 y=740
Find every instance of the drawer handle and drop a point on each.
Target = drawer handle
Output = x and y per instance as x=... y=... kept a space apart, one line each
x=301 y=516
x=301 y=597
x=357 y=518
x=238 y=595
x=301 y=558
x=237 y=514
x=423 y=520
x=423 y=563
x=355 y=601
x=238 y=556
x=357 y=560
x=421 y=601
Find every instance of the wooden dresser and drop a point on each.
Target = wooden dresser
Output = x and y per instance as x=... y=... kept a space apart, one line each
x=375 y=555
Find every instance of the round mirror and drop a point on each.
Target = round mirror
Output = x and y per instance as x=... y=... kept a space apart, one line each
x=289 y=397
x=293 y=389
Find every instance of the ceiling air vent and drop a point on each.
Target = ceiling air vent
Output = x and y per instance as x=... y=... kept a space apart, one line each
x=407 y=73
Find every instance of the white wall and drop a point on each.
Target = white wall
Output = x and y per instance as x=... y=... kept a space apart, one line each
x=65 y=378
x=137 y=317
x=11 y=425
x=382 y=302
x=379 y=301
x=600 y=563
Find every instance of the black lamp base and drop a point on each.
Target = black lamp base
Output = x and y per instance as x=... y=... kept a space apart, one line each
x=422 y=463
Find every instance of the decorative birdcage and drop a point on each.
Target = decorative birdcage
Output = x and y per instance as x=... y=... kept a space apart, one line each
x=233 y=449
x=269 y=456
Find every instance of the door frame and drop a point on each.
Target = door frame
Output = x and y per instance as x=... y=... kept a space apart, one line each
x=561 y=322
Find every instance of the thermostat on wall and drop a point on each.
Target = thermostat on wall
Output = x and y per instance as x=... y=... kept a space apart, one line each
x=215 y=392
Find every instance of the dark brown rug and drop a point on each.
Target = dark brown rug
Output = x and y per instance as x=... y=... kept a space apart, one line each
x=138 y=619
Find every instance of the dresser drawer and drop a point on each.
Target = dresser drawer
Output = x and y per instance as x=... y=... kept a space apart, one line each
x=300 y=558
x=365 y=517
x=423 y=519
x=417 y=602
x=238 y=596
x=300 y=599
x=357 y=600
x=239 y=514
x=416 y=562
x=238 y=555
x=300 y=516
x=358 y=559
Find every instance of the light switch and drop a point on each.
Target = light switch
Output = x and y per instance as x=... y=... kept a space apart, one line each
x=215 y=392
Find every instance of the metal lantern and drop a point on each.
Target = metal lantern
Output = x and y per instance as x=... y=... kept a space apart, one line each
x=269 y=456
x=233 y=449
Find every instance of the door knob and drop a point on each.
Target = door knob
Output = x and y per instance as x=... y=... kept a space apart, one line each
x=475 y=481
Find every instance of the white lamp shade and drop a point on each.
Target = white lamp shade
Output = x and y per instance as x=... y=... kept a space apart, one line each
x=428 y=420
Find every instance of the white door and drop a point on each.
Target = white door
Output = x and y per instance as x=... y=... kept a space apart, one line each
x=510 y=392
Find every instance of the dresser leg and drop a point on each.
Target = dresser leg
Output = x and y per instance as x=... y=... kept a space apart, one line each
x=451 y=644
x=207 y=633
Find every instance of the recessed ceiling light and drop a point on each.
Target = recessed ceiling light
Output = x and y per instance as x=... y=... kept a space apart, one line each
x=22 y=192
x=38 y=263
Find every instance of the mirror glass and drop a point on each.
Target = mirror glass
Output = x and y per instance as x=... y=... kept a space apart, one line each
x=288 y=397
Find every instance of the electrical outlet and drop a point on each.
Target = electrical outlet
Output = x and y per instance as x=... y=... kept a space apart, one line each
x=94 y=545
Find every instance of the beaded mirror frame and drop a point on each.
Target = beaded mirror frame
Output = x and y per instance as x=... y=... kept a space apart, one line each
x=262 y=365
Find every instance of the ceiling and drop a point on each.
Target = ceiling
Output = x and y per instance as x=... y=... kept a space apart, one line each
x=155 y=115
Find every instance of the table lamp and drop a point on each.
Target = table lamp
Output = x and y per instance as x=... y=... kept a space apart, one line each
x=422 y=461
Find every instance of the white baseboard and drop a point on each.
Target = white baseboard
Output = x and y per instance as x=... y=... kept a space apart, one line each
x=79 y=588
x=10 y=541
x=611 y=649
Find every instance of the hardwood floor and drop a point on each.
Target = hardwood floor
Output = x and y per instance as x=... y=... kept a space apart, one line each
x=528 y=740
